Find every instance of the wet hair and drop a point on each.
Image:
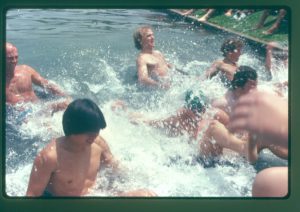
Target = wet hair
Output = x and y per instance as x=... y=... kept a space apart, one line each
x=196 y=103
x=137 y=36
x=242 y=76
x=82 y=116
x=231 y=45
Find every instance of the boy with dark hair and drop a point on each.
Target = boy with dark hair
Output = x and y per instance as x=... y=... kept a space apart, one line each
x=231 y=49
x=68 y=165
x=242 y=76
x=82 y=116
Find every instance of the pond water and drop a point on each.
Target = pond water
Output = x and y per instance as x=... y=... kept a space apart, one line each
x=90 y=53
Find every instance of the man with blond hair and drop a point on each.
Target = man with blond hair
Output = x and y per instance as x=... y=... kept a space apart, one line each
x=152 y=67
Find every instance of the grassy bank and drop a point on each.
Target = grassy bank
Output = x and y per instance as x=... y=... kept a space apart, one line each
x=247 y=25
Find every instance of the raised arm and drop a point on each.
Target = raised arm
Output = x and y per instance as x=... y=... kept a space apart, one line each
x=44 y=165
x=38 y=80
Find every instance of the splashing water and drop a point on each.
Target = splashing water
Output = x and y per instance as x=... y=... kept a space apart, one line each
x=101 y=66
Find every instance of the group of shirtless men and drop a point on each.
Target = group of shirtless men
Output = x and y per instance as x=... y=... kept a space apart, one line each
x=68 y=165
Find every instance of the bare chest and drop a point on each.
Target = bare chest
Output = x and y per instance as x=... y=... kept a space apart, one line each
x=76 y=174
x=156 y=64
x=19 y=84
x=228 y=70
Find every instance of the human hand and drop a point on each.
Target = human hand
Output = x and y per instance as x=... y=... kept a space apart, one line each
x=264 y=115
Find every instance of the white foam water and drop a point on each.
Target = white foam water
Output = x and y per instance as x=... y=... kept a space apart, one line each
x=167 y=165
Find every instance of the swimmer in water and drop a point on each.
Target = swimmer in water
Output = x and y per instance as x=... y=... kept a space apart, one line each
x=244 y=81
x=19 y=80
x=68 y=165
x=227 y=67
x=188 y=120
x=152 y=67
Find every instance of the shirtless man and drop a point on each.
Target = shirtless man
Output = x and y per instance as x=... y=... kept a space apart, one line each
x=19 y=79
x=68 y=165
x=227 y=67
x=243 y=143
x=190 y=119
x=254 y=112
x=152 y=66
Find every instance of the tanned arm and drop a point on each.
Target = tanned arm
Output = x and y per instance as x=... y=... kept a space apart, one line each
x=44 y=165
x=38 y=80
x=212 y=70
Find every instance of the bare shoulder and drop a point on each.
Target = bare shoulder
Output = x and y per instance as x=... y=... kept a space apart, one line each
x=25 y=67
x=141 y=58
x=51 y=149
x=48 y=155
x=157 y=52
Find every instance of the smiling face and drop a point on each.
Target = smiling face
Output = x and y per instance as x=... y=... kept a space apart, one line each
x=147 y=39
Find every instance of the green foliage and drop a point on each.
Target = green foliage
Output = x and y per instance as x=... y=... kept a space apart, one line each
x=247 y=25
